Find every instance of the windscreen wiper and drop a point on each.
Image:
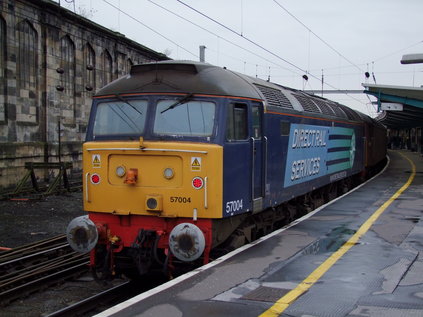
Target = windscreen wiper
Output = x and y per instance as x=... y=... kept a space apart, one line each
x=128 y=103
x=179 y=102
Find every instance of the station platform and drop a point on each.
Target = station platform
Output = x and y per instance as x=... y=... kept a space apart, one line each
x=360 y=255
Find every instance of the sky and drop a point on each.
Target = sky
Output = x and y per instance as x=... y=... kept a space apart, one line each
x=282 y=39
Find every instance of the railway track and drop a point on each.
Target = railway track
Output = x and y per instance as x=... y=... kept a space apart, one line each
x=110 y=297
x=105 y=299
x=36 y=266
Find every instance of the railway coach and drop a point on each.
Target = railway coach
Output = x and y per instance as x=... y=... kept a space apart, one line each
x=182 y=159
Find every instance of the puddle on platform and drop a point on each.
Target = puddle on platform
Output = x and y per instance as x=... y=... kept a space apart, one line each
x=331 y=243
x=413 y=219
x=417 y=172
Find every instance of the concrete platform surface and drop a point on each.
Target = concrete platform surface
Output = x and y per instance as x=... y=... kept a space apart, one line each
x=361 y=255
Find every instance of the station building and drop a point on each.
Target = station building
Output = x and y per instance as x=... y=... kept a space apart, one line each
x=51 y=63
x=401 y=111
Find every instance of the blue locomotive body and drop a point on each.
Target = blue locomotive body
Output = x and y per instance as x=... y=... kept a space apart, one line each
x=293 y=154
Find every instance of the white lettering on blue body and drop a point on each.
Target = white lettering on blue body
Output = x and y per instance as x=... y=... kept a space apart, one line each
x=234 y=206
x=305 y=168
x=306 y=138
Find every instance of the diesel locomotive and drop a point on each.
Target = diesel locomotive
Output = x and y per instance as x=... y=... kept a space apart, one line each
x=184 y=160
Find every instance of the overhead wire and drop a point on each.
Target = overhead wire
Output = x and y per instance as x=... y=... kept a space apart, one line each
x=218 y=36
x=204 y=29
x=250 y=63
x=222 y=25
x=150 y=28
x=323 y=41
x=375 y=60
x=317 y=36
x=260 y=46
x=231 y=30
x=396 y=52
x=241 y=35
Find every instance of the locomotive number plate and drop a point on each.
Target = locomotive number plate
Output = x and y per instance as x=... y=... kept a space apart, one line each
x=177 y=199
x=233 y=206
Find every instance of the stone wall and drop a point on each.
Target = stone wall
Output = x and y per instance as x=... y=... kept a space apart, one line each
x=51 y=63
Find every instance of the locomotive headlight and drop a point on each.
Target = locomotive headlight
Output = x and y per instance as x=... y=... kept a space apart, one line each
x=152 y=203
x=168 y=173
x=120 y=171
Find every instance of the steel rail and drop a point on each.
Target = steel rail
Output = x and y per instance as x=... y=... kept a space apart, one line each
x=30 y=248
x=33 y=256
x=42 y=269
x=36 y=266
x=86 y=305
x=40 y=283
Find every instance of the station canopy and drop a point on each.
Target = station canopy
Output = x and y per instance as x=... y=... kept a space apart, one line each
x=402 y=107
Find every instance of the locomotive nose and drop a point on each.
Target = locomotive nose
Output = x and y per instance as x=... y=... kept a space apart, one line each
x=187 y=242
x=82 y=234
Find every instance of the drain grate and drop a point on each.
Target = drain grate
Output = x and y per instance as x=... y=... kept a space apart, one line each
x=266 y=294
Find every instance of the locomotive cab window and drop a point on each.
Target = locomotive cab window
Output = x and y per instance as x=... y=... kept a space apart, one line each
x=256 y=116
x=191 y=118
x=120 y=117
x=285 y=128
x=236 y=122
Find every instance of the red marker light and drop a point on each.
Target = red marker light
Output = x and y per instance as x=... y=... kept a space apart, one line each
x=197 y=182
x=95 y=178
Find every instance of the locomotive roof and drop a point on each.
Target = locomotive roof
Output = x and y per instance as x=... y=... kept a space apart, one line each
x=181 y=77
x=202 y=78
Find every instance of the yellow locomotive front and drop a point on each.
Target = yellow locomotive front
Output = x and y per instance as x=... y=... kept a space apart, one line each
x=152 y=182
x=166 y=179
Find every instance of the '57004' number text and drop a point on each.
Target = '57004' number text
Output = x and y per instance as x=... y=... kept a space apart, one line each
x=177 y=199
x=233 y=206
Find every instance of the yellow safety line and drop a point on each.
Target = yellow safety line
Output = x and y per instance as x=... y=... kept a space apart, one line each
x=284 y=302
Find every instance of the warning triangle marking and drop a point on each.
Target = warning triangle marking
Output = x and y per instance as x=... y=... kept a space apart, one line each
x=195 y=163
